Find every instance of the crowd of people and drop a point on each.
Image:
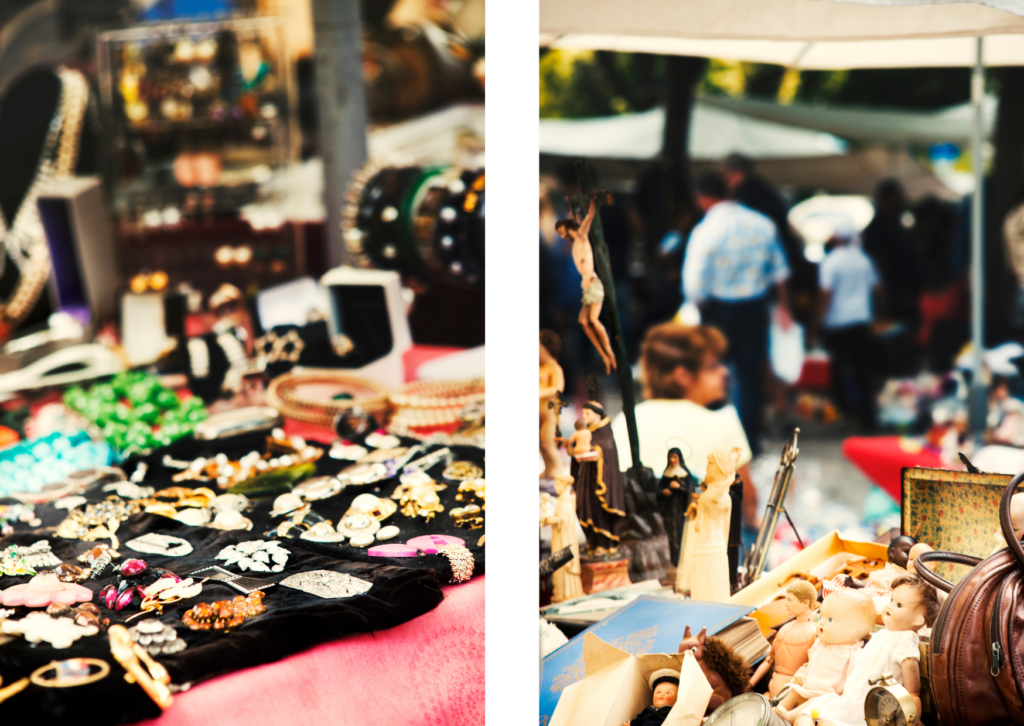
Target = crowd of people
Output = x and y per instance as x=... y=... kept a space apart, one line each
x=886 y=300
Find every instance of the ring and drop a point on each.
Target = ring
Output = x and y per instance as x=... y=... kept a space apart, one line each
x=66 y=681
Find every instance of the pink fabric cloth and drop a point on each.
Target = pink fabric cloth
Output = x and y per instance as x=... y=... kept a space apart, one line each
x=424 y=672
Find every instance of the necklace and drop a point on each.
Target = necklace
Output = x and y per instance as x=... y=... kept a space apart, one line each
x=25 y=241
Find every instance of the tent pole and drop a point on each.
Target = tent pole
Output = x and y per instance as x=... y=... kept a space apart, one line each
x=978 y=407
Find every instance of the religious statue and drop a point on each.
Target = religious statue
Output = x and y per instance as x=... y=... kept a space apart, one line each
x=552 y=383
x=676 y=489
x=593 y=288
x=794 y=639
x=561 y=515
x=707 y=566
x=600 y=503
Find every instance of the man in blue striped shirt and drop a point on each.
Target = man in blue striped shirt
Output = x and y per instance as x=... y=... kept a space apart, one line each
x=733 y=260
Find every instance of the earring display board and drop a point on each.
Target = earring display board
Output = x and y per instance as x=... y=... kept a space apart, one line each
x=399 y=588
x=200 y=129
x=952 y=511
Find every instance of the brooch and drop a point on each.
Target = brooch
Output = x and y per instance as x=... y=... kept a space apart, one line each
x=44 y=589
x=322 y=532
x=377 y=507
x=419 y=498
x=462 y=470
x=256 y=555
x=320 y=487
x=381 y=439
x=39 y=627
x=346 y=450
x=99 y=558
x=225 y=614
x=154 y=543
x=327 y=584
x=157 y=638
x=16 y=560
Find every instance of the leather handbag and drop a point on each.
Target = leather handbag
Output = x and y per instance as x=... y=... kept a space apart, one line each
x=977 y=646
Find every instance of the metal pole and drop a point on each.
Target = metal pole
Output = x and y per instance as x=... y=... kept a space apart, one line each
x=978 y=398
x=341 y=103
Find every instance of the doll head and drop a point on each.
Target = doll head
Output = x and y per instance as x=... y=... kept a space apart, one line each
x=914 y=603
x=675 y=458
x=665 y=684
x=565 y=227
x=721 y=469
x=899 y=550
x=579 y=442
x=847 y=616
x=1017 y=513
x=916 y=551
x=562 y=483
x=593 y=412
x=800 y=597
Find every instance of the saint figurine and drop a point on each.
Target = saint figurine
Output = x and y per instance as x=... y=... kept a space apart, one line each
x=552 y=383
x=593 y=288
x=562 y=518
x=600 y=503
x=676 y=489
x=707 y=567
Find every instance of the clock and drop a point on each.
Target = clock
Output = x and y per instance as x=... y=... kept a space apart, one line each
x=749 y=709
x=889 y=704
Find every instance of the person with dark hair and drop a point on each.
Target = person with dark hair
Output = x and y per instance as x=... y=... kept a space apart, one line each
x=895 y=253
x=733 y=261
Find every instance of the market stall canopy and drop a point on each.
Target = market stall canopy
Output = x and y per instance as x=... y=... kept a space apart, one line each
x=948 y=125
x=802 y=34
x=714 y=133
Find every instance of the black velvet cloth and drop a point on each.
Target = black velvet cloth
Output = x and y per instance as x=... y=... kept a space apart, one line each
x=403 y=588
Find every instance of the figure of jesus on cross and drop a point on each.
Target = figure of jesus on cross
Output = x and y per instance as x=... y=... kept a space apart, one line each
x=593 y=289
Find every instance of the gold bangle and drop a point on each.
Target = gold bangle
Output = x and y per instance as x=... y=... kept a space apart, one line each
x=371 y=397
x=37 y=675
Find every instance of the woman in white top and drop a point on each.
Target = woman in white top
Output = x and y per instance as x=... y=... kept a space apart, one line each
x=682 y=375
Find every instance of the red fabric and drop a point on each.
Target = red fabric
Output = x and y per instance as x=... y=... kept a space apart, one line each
x=427 y=671
x=881 y=459
x=816 y=374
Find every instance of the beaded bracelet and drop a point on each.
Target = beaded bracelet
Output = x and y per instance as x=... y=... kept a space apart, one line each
x=369 y=396
x=461 y=560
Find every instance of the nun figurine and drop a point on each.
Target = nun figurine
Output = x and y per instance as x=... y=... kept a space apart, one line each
x=665 y=685
x=677 y=486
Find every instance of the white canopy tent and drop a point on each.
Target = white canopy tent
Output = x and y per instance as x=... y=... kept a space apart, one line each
x=815 y=34
x=714 y=133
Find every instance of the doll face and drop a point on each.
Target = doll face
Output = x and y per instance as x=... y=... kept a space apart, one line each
x=841 y=623
x=905 y=610
x=794 y=605
x=590 y=417
x=673 y=460
x=545 y=357
x=665 y=695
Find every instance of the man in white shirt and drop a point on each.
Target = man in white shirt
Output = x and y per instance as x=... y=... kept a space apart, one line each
x=733 y=261
x=848 y=280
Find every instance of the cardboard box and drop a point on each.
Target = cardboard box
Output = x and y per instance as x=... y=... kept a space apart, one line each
x=822 y=559
x=646 y=625
x=615 y=688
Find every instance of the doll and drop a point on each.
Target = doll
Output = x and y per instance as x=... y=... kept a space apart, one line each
x=593 y=288
x=562 y=518
x=600 y=501
x=580 y=443
x=552 y=382
x=893 y=650
x=665 y=687
x=847 y=617
x=726 y=671
x=709 y=562
x=677 y=485
x=793 y=641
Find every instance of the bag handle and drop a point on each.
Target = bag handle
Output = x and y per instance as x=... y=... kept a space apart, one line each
x=936 y=580
x=1004 y=519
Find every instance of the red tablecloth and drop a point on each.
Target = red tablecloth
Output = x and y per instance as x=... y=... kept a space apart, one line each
x=881 y=458
x=427 y=671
